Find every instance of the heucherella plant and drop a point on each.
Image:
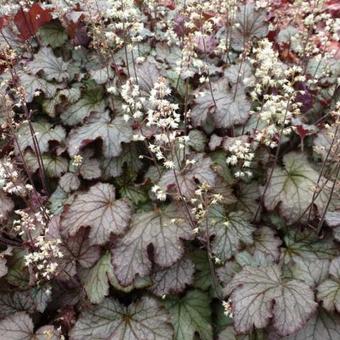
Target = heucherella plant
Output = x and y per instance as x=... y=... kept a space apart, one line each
x=169 y=169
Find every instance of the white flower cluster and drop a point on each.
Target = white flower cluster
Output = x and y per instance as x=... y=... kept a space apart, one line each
x=44 y=259
x=277 y=107
x=28 y=222
x=131 y=95
x=77 y=161
x=202 y=201
x=227 y=308
x=240 y=158
x=163 y=116
x=10 y=180
x=127 y=19
x=159 y=193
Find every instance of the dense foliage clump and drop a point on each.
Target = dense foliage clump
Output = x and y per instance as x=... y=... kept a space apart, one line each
x=170 y=169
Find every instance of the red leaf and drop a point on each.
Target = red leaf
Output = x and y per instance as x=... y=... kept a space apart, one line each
x=168 y=3
x=3 y=21
x=28 y=22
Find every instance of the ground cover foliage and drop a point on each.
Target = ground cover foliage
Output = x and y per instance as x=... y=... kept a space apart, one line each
x=169 y=170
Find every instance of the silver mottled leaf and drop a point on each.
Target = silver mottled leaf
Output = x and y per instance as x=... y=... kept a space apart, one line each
x=230 y=109
x=174 y=279
x=113 y=132
x=163 y=229
x=142 y=320
x=98 y=209
x=253 y=292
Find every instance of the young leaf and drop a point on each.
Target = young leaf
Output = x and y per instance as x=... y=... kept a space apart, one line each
x=53 y=34
x=329 y=290
x=174 y=279
x=142 y=320
x=253 y=293
x=163 y=229
x=99 y=210
x=191 y=314
x=97 y=279
x=54 y=68
x=28 y=22
x=230 y=230
x=113 y=132
x=229 y=110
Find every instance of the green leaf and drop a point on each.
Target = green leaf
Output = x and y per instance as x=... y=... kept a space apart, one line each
x=329 y=290
x=99 y=210
x=202 y=277
x=17 y=301
x=97 y=279
x=191 y=314
x=54 y=166
x=53 y=67
x=53 y=34
x=322 y=325
x=92 y=101
x=313 y=272
x=113 y=132
x=174 y=279
x=163 y=229
x=230 y=230
x=142 y=320
x=247 y=197
x=17 y=275
x=293 y=187
x=44 y=133
x=57 y=200
x=229 y=110
x=253 y=293
x=113 y=167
